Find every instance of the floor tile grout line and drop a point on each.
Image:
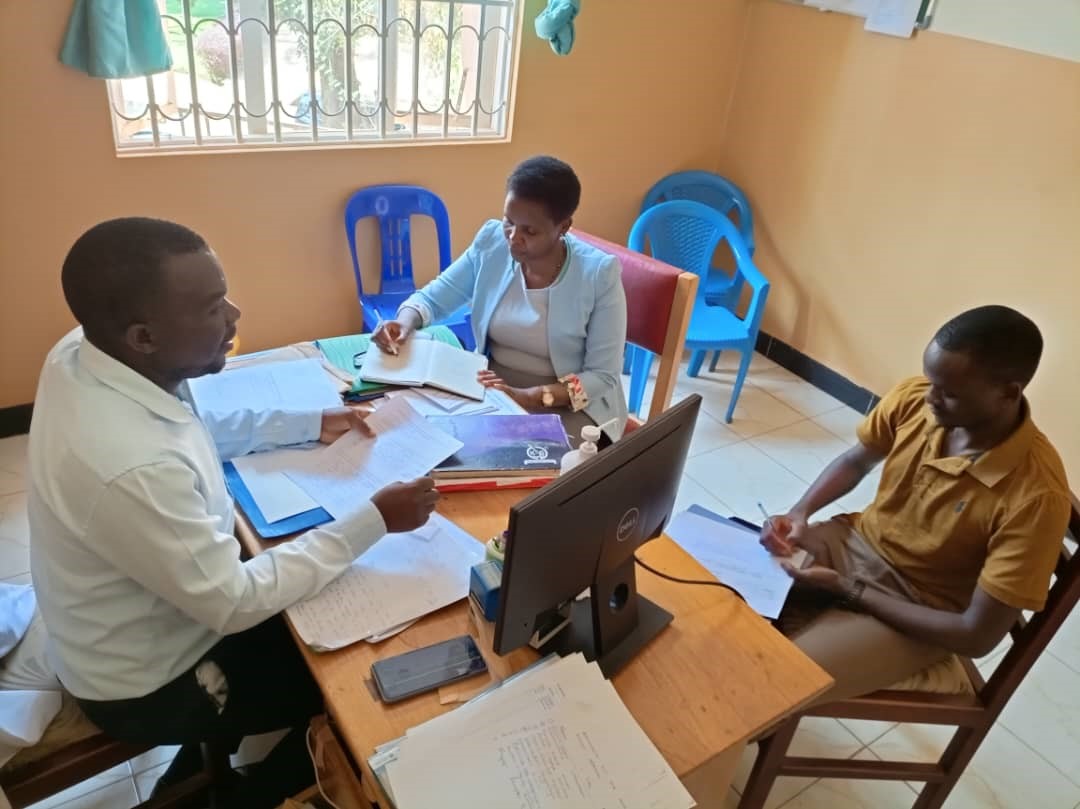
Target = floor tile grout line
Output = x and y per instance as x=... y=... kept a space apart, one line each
x=817 y=781
x=1001 y=724
x=1062 y=661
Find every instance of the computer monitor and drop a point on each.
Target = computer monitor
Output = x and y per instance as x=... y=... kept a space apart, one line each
x=581 y=531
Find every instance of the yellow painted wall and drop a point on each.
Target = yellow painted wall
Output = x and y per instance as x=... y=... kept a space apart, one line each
x=626 y=107
x=898 y=182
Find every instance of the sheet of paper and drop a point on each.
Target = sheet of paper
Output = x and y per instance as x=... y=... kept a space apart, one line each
x=559 y=739
x=408 y=367
x=274 y=493
x=455 y=370
x=735 y=557
x=298 y=386
x=402 y=577
x=353 y=468
x=433 y=402
x=894 y=17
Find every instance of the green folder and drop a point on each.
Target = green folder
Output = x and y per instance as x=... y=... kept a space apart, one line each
x=341 y=351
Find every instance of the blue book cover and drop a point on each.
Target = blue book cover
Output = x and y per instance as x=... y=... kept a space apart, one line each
x=503 y=445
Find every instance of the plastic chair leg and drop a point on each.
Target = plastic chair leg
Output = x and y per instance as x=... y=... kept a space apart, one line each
x=628 y=359
x=744 y=366
x=696 y=361
x=714 y=361
x=640 y=365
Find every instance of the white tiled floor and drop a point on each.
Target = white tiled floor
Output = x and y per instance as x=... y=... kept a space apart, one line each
x=784 y=431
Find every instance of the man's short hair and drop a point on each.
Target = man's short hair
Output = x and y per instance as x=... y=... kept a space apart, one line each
x=114 y=268
x=549 y=181
x=1004 y=343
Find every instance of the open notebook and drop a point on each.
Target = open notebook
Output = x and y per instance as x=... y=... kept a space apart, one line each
x=427 y=362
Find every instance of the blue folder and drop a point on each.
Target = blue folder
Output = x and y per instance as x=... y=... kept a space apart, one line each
x=270 y=530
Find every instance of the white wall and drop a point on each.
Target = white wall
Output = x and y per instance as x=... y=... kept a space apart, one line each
x=1050 y=27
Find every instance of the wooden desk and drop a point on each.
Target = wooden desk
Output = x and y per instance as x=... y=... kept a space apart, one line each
x=717 y=676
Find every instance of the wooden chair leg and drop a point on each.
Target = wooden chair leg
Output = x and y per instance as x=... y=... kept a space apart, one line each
x=772 y=751
x=218 y=767
x=961 y=749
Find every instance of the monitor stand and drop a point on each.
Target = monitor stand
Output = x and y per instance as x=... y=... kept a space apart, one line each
x=613 y=624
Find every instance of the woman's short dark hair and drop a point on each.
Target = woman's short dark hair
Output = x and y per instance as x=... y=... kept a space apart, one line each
x=549 y=181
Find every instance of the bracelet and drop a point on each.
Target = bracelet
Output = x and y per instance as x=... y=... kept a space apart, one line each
x=579 y=400
x=851 y=599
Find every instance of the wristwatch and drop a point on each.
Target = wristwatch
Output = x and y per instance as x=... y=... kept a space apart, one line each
x=852 y=597
x=547 y=397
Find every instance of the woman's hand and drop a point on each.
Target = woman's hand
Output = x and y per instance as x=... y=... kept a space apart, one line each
x=391 y=334
x=529 y=398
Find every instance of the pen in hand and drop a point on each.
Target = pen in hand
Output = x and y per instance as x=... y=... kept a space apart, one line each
x=765 y=514
x=391 y=342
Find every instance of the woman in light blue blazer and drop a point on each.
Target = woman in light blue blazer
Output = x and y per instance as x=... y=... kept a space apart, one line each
x=547 y=308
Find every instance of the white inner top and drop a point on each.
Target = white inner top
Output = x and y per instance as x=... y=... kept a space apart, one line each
x=518 y=332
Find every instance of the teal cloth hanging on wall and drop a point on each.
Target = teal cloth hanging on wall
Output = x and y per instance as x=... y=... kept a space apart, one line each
x=116 y=39
x=556 y=24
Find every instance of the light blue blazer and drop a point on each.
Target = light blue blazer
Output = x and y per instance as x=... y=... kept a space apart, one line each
x=586 y=313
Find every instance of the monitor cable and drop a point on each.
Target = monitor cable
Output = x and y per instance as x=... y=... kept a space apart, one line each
x=677 y=580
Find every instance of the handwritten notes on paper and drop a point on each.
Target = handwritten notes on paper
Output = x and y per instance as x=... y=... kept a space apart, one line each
x=556 y=737
x=399 y=579
x=736 y=558
x=354 y=467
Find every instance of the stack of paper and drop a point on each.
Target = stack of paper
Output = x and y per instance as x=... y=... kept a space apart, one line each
x=401 y=578
x=557 y=737
x=434 y=402
x=734 y=555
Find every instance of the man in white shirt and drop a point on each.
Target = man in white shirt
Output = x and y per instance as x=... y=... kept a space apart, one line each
x=156 y=626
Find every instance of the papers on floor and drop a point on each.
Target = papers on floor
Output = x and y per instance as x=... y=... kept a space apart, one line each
x=402 y=577
x=296 y=386
x=733 y=554
x=427 y=362
x=556 y=737
x=349 y=471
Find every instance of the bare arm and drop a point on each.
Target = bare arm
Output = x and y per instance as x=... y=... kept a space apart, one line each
x=837 y=479
x=781 y=533
x=971 y=633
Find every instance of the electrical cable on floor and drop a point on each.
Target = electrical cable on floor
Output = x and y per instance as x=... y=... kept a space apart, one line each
x=318 y=782
x=677 y=580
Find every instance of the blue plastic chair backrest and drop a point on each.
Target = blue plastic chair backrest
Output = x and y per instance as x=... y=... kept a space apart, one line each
x=392 y=205
x=686 y=234
x=709 y=189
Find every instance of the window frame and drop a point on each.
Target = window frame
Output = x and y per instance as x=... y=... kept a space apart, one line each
x=499 y=84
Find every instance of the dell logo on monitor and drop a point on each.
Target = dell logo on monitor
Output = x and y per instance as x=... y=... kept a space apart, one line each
x=627 y=523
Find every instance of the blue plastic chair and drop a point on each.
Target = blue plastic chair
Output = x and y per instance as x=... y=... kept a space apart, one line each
x=686 y=235
x=393 y=205
x=720 y=288
x=717 y=192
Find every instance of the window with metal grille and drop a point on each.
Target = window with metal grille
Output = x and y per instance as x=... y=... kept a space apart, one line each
x=255 y=73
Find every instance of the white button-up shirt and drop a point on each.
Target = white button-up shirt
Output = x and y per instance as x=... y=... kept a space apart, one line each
x=132 y=552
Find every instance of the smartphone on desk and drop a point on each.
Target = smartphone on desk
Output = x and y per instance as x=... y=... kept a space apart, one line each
x=426 y=669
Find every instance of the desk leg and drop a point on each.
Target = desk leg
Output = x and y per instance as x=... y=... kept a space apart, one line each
x=711 y=782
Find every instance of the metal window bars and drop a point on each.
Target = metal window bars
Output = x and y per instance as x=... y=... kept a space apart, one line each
x=153 y=114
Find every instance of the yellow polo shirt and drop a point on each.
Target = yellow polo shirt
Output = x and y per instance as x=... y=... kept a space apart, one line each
x=948 y=524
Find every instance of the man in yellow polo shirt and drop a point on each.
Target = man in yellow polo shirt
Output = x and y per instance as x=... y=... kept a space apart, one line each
x=966 y=526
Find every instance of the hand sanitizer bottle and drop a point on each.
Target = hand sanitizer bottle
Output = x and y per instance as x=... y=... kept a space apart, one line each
x=590 y=434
